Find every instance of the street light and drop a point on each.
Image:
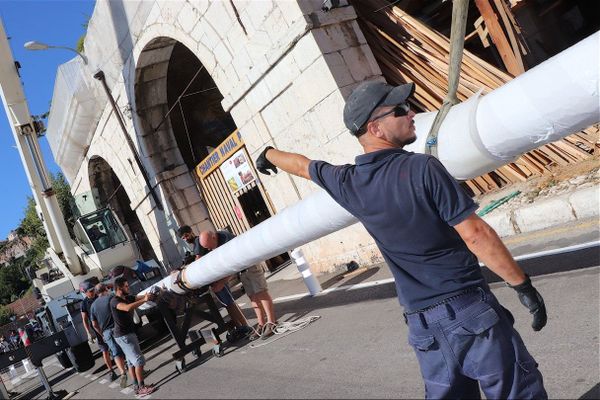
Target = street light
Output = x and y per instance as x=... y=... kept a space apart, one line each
x=33 y=45
x=20 y=299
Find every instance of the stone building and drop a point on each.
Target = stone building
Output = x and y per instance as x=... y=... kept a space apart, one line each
x=185 y=76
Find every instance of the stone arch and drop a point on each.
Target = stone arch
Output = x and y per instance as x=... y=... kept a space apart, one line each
x=181 y=119
x=109 y=192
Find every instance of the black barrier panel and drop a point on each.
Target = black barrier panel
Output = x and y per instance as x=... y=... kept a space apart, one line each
x=12 y=357
x=47 y=346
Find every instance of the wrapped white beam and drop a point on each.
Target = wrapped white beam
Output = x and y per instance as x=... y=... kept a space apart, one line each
x=544 y=104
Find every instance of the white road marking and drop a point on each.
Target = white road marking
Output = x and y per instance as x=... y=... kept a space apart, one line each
x=391 y=280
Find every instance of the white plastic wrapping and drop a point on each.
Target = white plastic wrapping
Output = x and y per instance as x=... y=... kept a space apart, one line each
x=74 y=113
x=314 y=217
x=548 y=102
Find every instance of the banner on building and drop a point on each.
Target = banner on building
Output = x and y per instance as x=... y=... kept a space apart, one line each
x=237 y=171
x=219 y=155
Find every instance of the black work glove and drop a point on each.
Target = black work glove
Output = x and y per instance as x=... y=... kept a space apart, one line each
x=263 y=165
x=534 y=302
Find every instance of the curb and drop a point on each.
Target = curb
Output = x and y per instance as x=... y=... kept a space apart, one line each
x=580 y=204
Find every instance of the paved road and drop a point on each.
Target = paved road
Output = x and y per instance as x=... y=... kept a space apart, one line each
x=359 y=350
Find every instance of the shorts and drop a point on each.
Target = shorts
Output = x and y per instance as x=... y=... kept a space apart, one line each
x=254 y=281
x=131 y=348
x=115 y=349
x=101 y=344
x=224 y=296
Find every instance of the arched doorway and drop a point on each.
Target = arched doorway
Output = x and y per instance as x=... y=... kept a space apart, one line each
x=109 y=192
x=182 y=121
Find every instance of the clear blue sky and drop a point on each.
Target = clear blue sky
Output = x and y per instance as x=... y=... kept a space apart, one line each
x=54 y=22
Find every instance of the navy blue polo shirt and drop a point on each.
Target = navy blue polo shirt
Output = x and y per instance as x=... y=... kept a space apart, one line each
x=409 y=203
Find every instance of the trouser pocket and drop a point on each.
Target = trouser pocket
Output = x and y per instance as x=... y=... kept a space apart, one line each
x=481 y=344
x=431 y=359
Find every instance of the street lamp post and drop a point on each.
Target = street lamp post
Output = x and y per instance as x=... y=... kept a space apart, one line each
x=21 y=301
x=33 y=45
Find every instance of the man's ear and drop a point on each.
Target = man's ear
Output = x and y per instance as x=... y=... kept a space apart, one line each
x=373 y=129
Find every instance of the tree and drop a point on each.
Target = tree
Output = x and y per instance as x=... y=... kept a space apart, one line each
x=12 y=281
x=65 y=199
x=5 y=315
x=80 y=42
x=32 y=226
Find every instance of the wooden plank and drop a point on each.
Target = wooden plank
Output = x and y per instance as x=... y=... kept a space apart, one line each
x=498 y=37
x=241 y=225
x=509 y=28
x=219 y=204
x=475 y=188
x=212 y=204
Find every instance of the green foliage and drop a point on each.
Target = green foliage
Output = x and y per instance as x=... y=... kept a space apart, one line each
x=5 y=315
x=80 y=42
x=12 y=281
x=32 y=226
x=12 y=278
x=65 y=199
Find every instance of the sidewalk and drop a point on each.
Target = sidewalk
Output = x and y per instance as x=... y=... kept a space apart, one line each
x=544 y=225
x=551 y=211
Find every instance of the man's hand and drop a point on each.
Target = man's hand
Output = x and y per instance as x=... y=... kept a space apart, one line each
x=91 y=338
x=263 y=165
x=534 y=302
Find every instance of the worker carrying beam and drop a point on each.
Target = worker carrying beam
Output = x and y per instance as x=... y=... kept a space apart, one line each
x=426 y=228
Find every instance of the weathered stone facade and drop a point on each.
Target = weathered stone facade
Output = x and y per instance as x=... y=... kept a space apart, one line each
x=283 y=68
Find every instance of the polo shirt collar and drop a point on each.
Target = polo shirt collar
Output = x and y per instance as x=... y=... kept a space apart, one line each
x=378 y=155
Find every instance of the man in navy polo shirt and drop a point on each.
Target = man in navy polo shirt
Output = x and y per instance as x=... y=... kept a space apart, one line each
x=427 y=230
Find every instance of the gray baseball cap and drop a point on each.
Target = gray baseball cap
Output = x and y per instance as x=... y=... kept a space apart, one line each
x=367 y=96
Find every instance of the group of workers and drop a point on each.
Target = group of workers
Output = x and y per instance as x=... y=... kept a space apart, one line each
x=253 y=282
x=108 y=318
x=108 y=321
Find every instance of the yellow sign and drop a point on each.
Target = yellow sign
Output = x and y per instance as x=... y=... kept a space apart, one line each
x=225 y=150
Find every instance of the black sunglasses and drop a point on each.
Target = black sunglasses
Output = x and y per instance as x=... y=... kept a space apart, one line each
x=399 y=110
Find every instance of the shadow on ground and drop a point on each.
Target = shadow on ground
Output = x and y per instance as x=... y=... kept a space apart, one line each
x=593 y=393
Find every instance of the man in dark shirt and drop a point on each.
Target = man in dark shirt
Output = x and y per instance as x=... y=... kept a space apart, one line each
x=186 y=234
x=255 y=285
x=122 y=306
x=220 y=287
x=103 y=323
x=88 y=300
x=426 y=228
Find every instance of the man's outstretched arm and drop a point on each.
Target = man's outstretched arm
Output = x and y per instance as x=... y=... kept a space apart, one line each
x=292 y=163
